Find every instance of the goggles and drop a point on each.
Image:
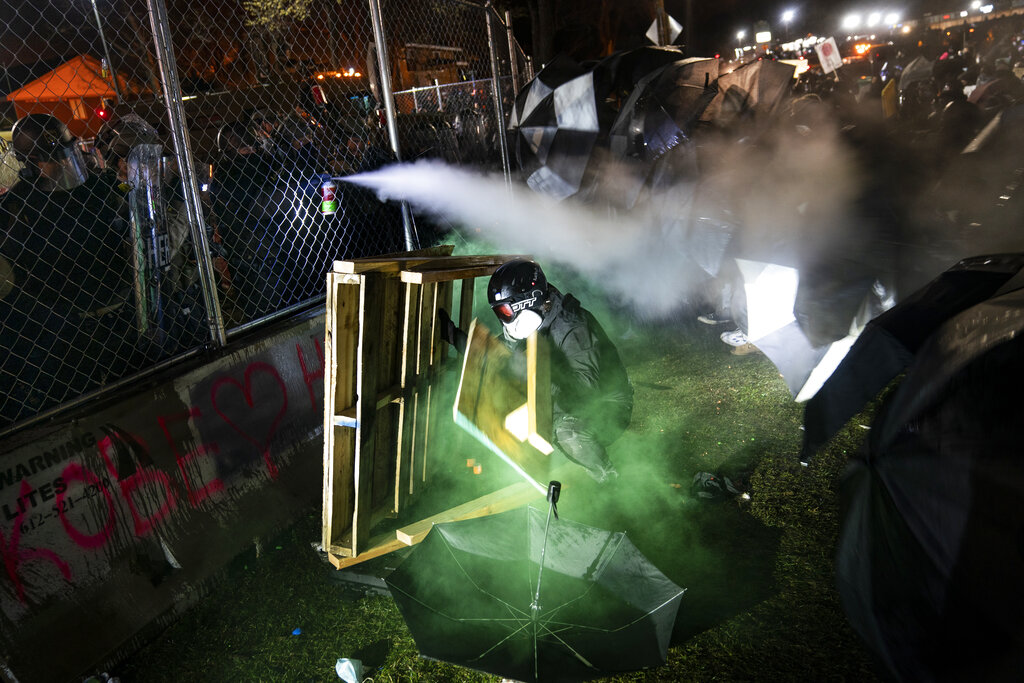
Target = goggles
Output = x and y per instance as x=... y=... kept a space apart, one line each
x=504 y=312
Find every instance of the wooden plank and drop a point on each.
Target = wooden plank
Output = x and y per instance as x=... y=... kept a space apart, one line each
x=440 y=250
x=426 y=334
x=508 y=498
x=435 y=271
x=439 y=352
x=421 y=390
x=502 y=500
x=466 y=303
x=404 y=438
x=438 y=358
x=486 y=395
x=371 y=295
x=389 y=375
x=341 y=330
x=433 y=349
x=395 y=264
x=330 y=364
x=382 y=544
x=347 y=417
x=538 y=393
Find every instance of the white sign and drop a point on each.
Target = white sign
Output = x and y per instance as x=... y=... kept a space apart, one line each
x=828 y=55
x=674 y=29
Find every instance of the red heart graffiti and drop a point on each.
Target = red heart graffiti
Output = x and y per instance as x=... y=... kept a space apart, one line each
x=262 y=444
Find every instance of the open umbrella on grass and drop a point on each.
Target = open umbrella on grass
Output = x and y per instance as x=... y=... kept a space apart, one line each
x=526 y=598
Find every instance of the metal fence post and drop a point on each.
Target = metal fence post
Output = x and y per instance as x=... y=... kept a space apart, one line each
x=384 y=72
x=106 y=53
x=513 y=62
x=499 y=108
x=176 y=119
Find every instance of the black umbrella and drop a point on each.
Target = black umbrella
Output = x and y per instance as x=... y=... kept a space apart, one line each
x=535 y=600
x=930 y=551
x=555 y=123
x=617 y=74
x=889 y=343
x=661 y=110
x=756 y=89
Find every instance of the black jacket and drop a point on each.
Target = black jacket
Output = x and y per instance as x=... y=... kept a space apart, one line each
x=588 y=378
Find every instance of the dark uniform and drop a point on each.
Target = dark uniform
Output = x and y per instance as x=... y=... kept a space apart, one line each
x=249 y=206
x=65 y=312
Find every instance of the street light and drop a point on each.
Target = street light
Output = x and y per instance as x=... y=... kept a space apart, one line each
x=851 y=21
x=787 y=17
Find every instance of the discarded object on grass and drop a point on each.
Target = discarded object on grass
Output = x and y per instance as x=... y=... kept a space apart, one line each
x=349 y=670
x=297 y=631
x=713 y=487
x=517 y=595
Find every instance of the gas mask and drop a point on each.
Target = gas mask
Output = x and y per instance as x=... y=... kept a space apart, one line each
x=523 y=325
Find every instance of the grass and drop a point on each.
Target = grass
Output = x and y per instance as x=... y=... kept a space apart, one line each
x=761 y=603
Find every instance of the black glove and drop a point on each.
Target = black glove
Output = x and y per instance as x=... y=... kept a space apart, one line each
x=450 y=332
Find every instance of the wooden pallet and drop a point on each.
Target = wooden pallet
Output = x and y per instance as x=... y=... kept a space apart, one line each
x=383 y=354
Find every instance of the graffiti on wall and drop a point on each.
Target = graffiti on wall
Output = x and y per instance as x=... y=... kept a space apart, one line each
x=131 y=479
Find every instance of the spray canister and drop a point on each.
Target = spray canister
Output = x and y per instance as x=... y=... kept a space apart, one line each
x=329 y=198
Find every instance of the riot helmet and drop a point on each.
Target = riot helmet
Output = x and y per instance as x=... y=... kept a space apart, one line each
x=235 y=138
x=118 y=136
x=517 y=292
x=50 y=154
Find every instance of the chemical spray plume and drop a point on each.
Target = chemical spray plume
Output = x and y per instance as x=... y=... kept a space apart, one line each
x=654 y=249
x=629 y=254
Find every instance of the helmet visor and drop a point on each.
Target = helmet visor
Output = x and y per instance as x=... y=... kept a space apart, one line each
x=64 y=170
x=504 y=312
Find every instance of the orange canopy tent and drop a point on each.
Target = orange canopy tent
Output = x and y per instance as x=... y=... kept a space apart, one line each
x=72 y=92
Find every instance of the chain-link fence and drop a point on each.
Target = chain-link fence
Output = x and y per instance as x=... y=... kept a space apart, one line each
x=444 y=55
x=169 y=168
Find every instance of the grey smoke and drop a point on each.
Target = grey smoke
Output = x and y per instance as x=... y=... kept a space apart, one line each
x=645 y=250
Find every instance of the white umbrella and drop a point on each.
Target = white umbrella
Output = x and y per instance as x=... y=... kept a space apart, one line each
x=772 y=327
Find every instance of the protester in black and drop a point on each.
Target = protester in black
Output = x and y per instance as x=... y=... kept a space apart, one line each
x=591 y=392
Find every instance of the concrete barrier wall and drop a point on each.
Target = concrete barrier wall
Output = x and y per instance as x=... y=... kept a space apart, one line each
x=112 y=520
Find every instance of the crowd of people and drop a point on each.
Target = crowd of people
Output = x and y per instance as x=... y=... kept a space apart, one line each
x=908 y=111
x=99 y=275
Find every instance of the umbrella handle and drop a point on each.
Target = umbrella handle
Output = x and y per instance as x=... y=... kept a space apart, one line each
x=554 y=490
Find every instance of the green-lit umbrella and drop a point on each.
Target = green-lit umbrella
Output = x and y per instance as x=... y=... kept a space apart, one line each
x=535 y=600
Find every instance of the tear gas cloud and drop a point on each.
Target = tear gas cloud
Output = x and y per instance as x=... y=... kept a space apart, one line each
x=654 y=249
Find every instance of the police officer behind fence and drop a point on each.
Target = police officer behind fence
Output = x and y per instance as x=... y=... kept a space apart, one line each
x=591 y=393
x=66 y=278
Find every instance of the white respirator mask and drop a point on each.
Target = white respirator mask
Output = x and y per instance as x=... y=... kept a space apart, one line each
x=524 y=324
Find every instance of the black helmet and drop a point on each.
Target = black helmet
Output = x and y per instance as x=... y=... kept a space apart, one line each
x=117 y=137
x=235 y=138
x=516 y=286
x=40 y=137
x=43 y=139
